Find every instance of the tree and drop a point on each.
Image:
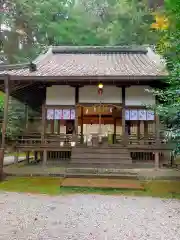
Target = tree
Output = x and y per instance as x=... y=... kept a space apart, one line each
x=123 y=22
x=33 y=25
x=169 y=109
x=28 y=27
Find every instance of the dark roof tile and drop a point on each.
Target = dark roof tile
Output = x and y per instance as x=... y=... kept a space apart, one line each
x=92 y=61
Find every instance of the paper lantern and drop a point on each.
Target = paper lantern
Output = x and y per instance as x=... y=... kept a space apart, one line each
x=100 y=88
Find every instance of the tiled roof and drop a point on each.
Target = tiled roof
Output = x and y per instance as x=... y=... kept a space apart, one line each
x=92 y=61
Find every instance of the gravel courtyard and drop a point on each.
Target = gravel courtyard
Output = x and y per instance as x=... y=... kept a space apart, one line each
x=87 y=217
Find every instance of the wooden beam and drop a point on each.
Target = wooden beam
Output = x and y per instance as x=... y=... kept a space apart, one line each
x=4 y=124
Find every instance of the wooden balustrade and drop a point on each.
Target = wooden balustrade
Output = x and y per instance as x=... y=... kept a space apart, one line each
x=49 y=141
x=65 y=140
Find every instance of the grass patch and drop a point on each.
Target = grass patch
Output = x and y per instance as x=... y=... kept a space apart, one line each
x=102 y=191
x=52 y=186
x=42 y=185
x=163 y=188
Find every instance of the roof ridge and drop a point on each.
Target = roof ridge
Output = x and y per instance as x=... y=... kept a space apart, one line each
x=17 y=66
x=42 y=56
x=156 y=58
x=99 y=49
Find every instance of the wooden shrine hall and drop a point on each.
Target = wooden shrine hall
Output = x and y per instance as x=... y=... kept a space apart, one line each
x=93 y=103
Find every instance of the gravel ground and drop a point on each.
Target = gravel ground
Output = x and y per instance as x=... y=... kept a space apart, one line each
x=87 y=217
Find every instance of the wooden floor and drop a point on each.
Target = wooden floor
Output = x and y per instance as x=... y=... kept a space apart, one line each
x=103 y=183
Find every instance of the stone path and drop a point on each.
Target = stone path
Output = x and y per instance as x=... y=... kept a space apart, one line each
x=88 y=217
x=10 y=160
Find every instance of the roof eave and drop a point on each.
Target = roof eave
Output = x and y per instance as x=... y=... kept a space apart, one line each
x=80 y=78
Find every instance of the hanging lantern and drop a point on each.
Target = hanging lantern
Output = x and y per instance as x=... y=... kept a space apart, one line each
x=100 y=88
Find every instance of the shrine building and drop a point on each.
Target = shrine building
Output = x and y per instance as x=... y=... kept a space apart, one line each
x=96 y=105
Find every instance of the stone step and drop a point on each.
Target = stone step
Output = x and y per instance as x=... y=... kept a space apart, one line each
x=99 y=150
x=99 y=156
x=100 y=171
x=97 y=161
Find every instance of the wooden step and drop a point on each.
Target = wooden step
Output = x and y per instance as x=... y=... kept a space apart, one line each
x=100 y=155
x=102 y=183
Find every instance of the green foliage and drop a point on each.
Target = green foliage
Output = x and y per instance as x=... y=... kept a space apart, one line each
x=36 y=24
x=129 y=23
x=16 y=117
x=169 y=109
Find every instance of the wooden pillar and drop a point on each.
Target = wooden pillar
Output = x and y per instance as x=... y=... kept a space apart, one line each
x=43 y=123
x=138 y=130
x=26 y=116
x=157 y=129
x=157 y=126
x=16 y=157
x=156 y=160
x=4 y=124
x=157 y=136
x=115 y=125
x=76 y=111
x=124 y=134
x=27 y=157
x=82 y=135
x=35 y=156
x=44 y=157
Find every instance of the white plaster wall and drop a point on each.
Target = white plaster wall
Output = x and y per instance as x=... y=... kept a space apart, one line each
x=60 y=95
x=89 y=94
x=138 y=96
x=65 y=95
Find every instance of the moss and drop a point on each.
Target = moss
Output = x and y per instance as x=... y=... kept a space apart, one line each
x=52 y=186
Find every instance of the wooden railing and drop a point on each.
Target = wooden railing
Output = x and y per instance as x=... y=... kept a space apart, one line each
x=64 y=140
x=49 y=141
x=142 y=156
